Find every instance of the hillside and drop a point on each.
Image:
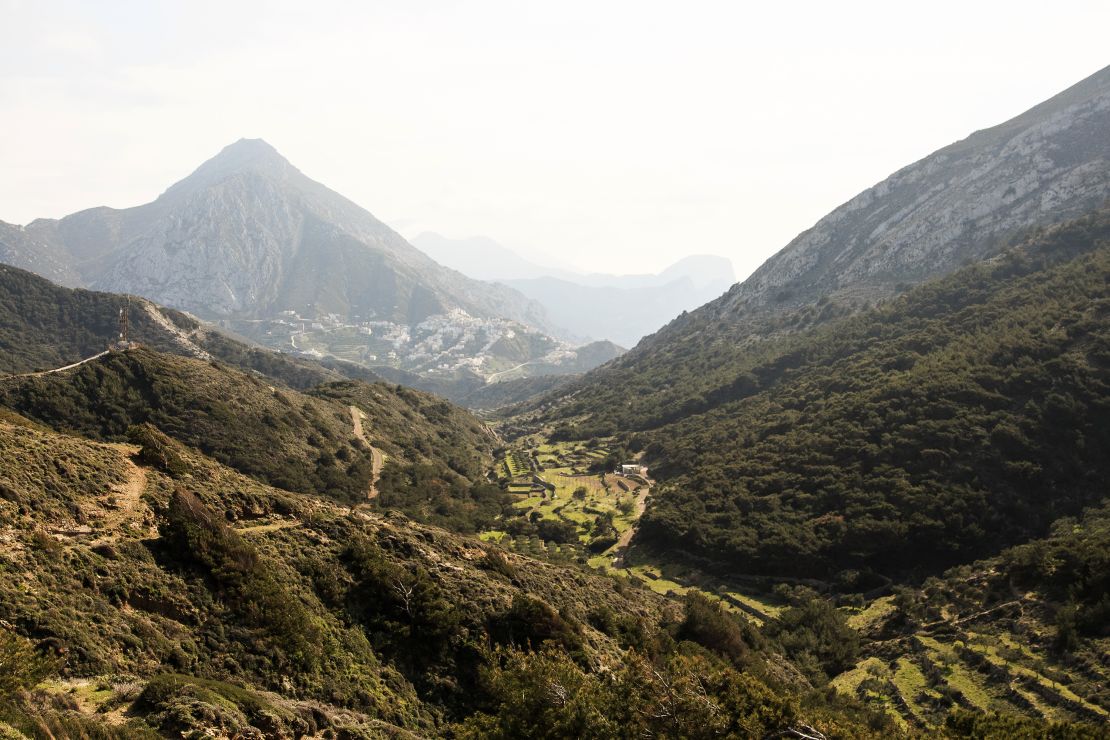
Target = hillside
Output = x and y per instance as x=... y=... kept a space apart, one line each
x=1024 y=632
x=191 y=547
x=44 y=325
x=963 y=417
x=18 y=247
x=175 y=598
x=298 y=442
x=959 y=204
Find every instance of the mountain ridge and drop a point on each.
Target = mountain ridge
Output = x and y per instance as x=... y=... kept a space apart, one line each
x=1068 y=182
x=250 y=242
x=960 y=204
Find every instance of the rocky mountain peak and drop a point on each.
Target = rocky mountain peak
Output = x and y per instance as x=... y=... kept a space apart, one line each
x=244 y=157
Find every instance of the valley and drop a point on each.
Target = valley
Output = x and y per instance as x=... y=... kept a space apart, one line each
x=268 y=471
x=959 y=642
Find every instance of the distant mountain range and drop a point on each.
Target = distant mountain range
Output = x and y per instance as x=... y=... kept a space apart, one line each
x=621 y=308
x=251 y=242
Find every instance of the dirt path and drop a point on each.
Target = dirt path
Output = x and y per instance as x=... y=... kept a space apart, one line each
x=622 y=543
x=79 y=363
x=377 y=459
x=275 y=526
x=128 y=499
x=493 y=378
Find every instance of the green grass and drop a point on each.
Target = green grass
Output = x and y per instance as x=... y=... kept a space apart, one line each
x=849 y=681
x=757 y=602
x=516 y=464
x=655 y=581
x=875 y=611
x=992 y=654
x=912 y=684
x=956 y=674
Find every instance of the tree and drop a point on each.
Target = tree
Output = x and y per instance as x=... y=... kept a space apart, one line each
x=21 y=665
x=816 y=635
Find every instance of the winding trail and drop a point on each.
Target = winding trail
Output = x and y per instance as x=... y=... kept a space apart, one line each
x=492 y=378
x=622 y=543
x=128 y=498
x=377 y=459
x=79 y=363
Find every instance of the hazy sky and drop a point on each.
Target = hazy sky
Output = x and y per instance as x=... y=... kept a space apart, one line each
x=618 y=136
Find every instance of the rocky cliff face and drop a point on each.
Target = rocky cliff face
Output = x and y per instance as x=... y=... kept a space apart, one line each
x=26 y=250
x=1047 y=165
x=249 y=235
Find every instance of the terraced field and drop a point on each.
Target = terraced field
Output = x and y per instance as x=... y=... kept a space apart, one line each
x=516 y=464
x=584 y=510
x=592 y=501
x=593 y=505
x=979 y=670
x=916 y=673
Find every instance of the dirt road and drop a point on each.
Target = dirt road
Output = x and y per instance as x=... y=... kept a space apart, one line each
x=622 y=543
x=377 y=459
x=493 y=378
x=127 y=499
x=79 y=363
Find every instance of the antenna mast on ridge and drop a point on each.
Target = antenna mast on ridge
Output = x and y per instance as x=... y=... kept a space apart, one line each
x=124 y=339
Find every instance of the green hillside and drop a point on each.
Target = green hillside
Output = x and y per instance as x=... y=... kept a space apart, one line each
x=291 y=440
x=44 y=326
x=150 y=591
x=1024 y=632
x=189 y=548
x=958 y=419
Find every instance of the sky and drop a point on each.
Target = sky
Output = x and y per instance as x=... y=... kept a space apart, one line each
x=611 y=136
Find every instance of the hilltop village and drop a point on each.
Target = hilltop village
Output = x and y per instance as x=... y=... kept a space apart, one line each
x=442 y=345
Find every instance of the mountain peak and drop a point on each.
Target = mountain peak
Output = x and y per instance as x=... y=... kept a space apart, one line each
x=247 y=150
x=246 y=154
x=243 y=156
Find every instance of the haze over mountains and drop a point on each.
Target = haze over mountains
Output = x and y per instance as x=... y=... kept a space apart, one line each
x=249 y=240
x=621 y=308
x=958 y=205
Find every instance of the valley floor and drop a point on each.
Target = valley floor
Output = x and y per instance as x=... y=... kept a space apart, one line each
x=993 y=659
